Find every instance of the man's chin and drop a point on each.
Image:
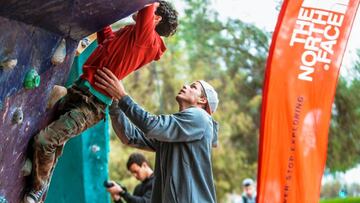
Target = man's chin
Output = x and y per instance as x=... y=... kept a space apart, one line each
x=178 y=98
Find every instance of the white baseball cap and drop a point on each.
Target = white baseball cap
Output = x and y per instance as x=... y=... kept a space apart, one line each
x=211 y=96
x=247 y=182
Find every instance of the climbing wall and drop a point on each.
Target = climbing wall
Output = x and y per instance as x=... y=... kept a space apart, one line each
x=32 y=33
x=23 y=111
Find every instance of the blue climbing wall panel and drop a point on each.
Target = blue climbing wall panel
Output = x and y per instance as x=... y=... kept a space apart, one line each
x=31 y=31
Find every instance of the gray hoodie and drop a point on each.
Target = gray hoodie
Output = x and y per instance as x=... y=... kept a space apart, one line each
x=182 y=142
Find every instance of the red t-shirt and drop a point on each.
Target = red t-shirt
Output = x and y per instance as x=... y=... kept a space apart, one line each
x=126 y=50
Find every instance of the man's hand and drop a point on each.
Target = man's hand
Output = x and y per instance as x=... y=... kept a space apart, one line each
x=107 y=81
x=115 y=191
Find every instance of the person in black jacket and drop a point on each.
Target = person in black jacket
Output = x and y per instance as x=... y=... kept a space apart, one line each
x=141 y=170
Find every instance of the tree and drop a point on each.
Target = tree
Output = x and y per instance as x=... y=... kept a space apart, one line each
x=330 y=189
x=344 y=136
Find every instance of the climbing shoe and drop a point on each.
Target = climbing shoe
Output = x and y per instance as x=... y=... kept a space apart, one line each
x=35 y=196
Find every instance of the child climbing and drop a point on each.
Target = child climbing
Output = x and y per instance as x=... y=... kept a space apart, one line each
x=122 y=52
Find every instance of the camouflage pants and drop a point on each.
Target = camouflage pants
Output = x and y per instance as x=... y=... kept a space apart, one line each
x=78 y=110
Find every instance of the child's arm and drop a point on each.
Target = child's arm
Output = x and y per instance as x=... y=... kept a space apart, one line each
x=145 y=25
x=103 y=34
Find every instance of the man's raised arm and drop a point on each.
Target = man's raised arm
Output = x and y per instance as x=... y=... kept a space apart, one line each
x=128 y=133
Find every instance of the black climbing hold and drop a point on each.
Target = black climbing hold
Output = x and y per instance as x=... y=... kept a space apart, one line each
x=18 y=116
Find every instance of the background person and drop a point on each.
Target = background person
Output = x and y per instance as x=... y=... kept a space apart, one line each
x=249 y=192
x=140 y=168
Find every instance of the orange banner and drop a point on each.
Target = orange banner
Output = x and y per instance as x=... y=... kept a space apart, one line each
x=300 y=80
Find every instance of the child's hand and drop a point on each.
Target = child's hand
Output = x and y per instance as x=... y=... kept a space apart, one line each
x=156 y=4
x=107 y=81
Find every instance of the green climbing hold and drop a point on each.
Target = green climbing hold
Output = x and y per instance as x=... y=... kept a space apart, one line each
x=32 y=79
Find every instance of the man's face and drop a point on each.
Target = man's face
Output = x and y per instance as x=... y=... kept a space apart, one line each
x=139 y=172
x=190 y=94
x=249 y=190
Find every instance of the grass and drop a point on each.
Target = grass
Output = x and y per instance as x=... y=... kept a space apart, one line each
x=338 y=200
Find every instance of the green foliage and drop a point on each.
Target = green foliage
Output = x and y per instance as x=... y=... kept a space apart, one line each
x=344 y=136
x=330 y=189
x=338 y=200
x=231 y=55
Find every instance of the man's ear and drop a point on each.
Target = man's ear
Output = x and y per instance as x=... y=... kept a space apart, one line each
x=203 y=101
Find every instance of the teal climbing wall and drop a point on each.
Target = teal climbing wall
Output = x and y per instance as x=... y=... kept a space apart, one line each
x=83 y=167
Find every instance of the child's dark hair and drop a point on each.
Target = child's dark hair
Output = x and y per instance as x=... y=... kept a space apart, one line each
x=169 y=22
x=136 y=158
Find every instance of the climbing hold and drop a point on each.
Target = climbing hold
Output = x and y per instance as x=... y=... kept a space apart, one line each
x=32 y=79
x=8 y=64
x=56 y=94
x=1 y=105
x=95 y=148
x=27 y=167
x=3 y=200
x=59 y=54
x=18 y=116
x=85 y=42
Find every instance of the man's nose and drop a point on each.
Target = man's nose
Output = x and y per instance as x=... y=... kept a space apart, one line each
x=185 y=86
